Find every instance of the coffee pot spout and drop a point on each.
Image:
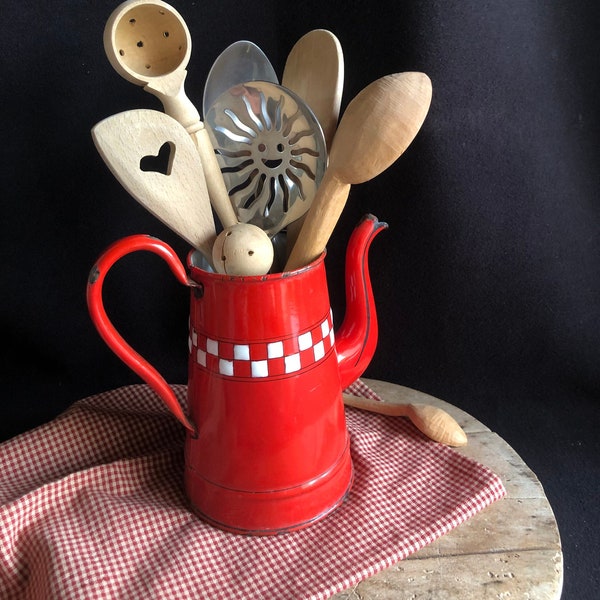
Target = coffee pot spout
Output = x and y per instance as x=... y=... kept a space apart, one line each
x=356 y=338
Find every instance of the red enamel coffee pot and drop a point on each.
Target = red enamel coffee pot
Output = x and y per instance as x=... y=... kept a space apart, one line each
x=267 y=448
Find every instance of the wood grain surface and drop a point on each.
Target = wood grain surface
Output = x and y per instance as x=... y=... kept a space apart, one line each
x=510 y=550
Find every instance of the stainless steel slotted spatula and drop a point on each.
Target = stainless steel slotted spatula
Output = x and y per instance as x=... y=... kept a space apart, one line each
x=271 y=151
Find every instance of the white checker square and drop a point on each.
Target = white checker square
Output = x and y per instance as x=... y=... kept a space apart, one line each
x=212 y=347
x=305 y=341
x=225 y=367
x=292 y=363
x=319 y=350
x=201 y=357
x=275 y=350
x=260 y=368
x=331 y=337
x=241 y=352
x=325 y=328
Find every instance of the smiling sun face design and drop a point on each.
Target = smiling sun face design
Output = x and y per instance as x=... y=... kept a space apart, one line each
x=271 y=151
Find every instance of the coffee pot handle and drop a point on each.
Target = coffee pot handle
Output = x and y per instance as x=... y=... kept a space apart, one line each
x=107 y=330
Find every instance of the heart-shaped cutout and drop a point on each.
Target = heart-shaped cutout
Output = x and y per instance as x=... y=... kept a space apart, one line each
x=160 y=163
x=135 y=139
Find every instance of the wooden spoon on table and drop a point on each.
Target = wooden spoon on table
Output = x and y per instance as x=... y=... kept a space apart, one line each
x=376 y=128
x=148 y=43
x=433 y=421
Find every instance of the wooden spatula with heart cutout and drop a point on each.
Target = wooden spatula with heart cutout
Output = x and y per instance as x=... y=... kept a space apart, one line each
x=155 y=160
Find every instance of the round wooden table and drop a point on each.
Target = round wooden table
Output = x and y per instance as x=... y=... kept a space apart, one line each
x=511 y=550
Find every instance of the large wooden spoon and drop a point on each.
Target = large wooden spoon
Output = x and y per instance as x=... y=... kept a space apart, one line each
x=433 y=421
x=314 y=69
x=376 y=128
x=148 y=43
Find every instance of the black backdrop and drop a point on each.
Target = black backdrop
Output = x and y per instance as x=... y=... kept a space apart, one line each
x=487 y=282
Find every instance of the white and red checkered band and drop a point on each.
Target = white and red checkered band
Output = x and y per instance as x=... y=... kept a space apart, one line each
x=263 y=359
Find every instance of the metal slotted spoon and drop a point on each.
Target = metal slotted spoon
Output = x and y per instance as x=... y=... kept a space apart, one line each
x=271 y=151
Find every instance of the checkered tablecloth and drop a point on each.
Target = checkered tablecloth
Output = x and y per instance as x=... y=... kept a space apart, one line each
x=92 y=507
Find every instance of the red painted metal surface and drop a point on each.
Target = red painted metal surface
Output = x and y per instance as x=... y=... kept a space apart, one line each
x=267 y=449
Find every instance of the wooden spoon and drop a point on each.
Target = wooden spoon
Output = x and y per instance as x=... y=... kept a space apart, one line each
x=376 y=128
x=148 y=43
x=314 y=69
x=176 y=195
x=433 y=421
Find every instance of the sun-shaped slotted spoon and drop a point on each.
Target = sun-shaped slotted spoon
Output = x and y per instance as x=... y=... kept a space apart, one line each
x=271 y=151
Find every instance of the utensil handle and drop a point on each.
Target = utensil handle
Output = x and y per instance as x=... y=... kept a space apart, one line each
x=320 y=221
x=107 y=330
x=433 y=421
x=217 y=191
x=170 y=91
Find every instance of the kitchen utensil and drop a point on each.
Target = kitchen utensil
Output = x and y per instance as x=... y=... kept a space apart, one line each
x=148 y=43
x=267 y=448
x=433 y=421
x=271 y=151
x=280 y=250
x=240 y=62
x=376 y=128
x=242 y=249
x=314 y=70
x=177 y=196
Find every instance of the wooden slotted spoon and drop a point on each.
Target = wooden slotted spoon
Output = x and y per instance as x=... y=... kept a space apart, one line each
x=148 y=43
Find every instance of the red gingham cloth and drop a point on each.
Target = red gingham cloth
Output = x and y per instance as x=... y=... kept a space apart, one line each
x=92 y=507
